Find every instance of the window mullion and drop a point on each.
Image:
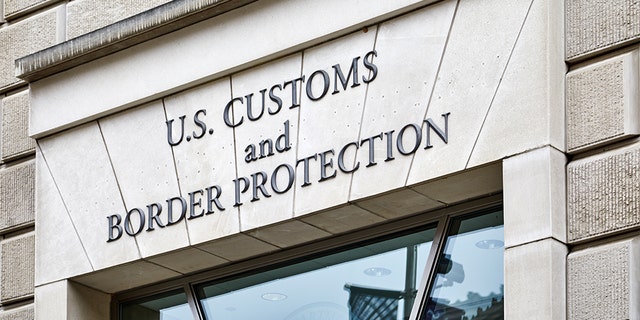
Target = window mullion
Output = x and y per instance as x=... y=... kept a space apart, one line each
x=439 y=241
x=193 y=302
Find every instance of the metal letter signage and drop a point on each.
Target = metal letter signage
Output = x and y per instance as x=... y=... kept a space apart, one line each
x=279 y=179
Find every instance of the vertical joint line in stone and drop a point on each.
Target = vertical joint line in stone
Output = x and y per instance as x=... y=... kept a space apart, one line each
x=435 y=80
x=495 y=92
x=295 y=176
x=175 y=166
x=64 y=204
x=235 y=144
x=364 y=108
x=115 y=176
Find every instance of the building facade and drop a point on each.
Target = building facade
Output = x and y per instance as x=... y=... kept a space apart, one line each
x=244 y=159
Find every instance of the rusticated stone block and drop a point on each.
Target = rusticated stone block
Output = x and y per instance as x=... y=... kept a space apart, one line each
x=22 y=313
x=18 y=7
x=602 y=102
x=603 y=193
x=23 y=38
x=602 y=282
x=15 y=126
x=17 y=195
x=17 y=271
x=594 y=25
x=85 y=16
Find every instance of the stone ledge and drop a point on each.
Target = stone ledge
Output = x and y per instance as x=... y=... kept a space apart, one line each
x=126 y=33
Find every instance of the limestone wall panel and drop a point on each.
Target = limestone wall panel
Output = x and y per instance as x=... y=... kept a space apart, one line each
x=602 y=102
x=543 y=281
x=21 y=313
x=205 y=162
x=602 y=282
x=59 y=241
x=527 y=111
x=333 y=121
x=80 y=167
x=603 y=193
x=17 y=267
x=26 y=37
x=84 y=16
x=410 y=50
x=18 y=7
x=15 y=126
x=17 y=193
x=598 y=25
x=534 y=197
x=466 y=83
x=144 y=167
x=253 y=134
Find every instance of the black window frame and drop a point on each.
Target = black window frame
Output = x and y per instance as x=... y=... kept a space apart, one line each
x=441 y=218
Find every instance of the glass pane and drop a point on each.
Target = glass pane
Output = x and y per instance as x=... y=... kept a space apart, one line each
x=375 y=281
x=167 y=306
x=469 y=283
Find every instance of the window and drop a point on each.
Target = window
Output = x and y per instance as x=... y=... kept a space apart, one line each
x=387 y=277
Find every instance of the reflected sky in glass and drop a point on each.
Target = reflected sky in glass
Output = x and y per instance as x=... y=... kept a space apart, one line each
x=319 y=292
x=470 y=271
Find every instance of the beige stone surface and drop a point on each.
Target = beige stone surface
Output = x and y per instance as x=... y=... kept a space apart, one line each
x=534 y=197
x=603 y=194
x=64 y=300
x=602 y=102
x=15 y=126
x=17 y=193
x=14 y=7
x=48 y=308
x=527 y=110
x=89 y=195
x=467 y=82
x=59 y=252
x=84 y=16
x=25 y=37
x=602 y=282
x=20 y=313
x=261 y=208
x=333 y=121
x=535 y=281
x=204 y=162
x=17 y=267
x=399 y=96
x=145 y=169
x=87 y=303
x=183 y=54
x=596 y=25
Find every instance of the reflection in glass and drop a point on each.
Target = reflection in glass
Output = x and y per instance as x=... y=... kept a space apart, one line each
x=374 y=281
x=166 y=306
x=469 y=282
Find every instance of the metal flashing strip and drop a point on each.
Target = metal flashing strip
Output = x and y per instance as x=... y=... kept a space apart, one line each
x=123 y=34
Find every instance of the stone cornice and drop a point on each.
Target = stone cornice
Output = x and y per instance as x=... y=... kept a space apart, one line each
x=147 y=25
